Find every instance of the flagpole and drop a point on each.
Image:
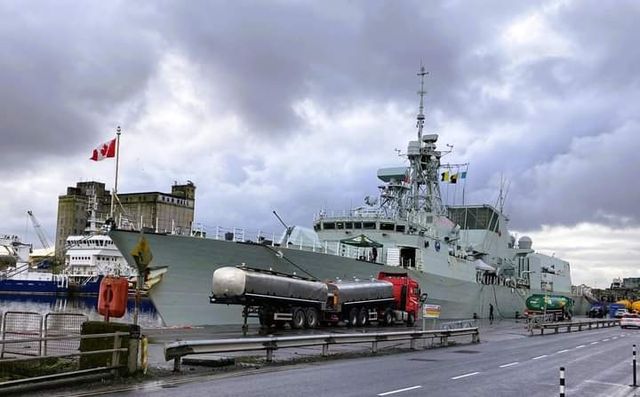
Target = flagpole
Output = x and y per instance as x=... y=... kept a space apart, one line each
x=115 y=188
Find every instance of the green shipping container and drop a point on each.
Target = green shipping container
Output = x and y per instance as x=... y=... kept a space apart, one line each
x=553 y=302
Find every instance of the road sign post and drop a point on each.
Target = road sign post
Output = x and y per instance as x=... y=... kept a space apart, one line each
x=430 y=311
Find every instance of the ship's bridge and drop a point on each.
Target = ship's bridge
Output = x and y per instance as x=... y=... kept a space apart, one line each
x=479 y=217
x=358 y=221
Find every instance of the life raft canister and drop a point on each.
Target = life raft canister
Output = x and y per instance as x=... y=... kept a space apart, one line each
x=112 y=298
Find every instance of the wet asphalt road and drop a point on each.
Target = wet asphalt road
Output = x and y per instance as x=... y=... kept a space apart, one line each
x=506 y=363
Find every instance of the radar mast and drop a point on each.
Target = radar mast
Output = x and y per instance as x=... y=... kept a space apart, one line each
x=425 y=162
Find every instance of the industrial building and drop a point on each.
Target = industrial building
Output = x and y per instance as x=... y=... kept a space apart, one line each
x=89 y=204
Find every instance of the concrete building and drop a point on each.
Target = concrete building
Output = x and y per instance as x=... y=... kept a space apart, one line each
x=74 y=209
x=158 y=212
x=155 y=211
x=631 y=282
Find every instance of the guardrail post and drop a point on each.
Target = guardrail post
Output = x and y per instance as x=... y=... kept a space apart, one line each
x=325 y=350
x=374 y=347
x=589 y=324
x=562 y=385
x=580 y=327
x=177 y=364
x=269 y=354
x=569 y=328
x=475 y=337
x=413 y=342
x=634 y=367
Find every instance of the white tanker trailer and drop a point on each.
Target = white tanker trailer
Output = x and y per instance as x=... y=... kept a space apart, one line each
x=279 y=299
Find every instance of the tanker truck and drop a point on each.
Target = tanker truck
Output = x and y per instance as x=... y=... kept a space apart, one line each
x=280 y=299
x=559 y=307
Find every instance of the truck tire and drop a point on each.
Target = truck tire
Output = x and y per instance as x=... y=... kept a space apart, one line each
x=298 y=318
x=353 y=317
x=312 y=317
x=387 y=318
x=411 y=320
x=363 y=317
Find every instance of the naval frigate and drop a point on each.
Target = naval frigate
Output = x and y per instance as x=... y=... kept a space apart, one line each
x=463 y=256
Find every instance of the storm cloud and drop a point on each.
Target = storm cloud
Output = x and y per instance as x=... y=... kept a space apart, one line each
x=293 y=105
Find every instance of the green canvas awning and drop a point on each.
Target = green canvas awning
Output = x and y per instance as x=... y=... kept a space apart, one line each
x=361 y=241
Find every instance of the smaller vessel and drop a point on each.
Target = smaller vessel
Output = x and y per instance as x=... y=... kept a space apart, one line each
x=94 y=255
x=18 y=277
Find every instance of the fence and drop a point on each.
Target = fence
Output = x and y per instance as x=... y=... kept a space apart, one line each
x=176 y=350
x=113 y=364
x=28 y=326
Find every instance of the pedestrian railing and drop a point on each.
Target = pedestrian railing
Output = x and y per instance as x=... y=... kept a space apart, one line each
x=571 y=326
x=12 y=361
x=459 y=324
x=176 y=350
x=28 y=325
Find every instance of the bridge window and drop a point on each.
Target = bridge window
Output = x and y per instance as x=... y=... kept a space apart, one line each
x=339 y=225
x=387 y=226
x=369 y=225
x=483 y=218
x=400 y=228
x=357 y=225
x=348 y=225
x=329 y=226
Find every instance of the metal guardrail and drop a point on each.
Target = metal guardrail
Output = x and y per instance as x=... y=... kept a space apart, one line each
x=569 y=326
x=176 y=350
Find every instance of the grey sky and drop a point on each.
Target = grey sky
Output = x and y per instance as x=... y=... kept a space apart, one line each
x=293 y=105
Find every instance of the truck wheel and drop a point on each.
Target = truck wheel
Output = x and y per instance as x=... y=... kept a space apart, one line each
x=411 y=320
x=312 y=317
x=298 y=318
x=353 y=317
x=363 y=317
x=388 y=317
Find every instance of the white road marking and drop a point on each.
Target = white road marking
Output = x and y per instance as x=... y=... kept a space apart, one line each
x=579 y=347
x=539 y=357
x=606 y=383
x=594 y=343
x=399 y=390
x=606 y=340
x=614 y=338
x=563 y=351
x=509 y=365
x=465 y=375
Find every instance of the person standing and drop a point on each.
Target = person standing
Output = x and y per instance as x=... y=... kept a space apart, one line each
x=490 y=313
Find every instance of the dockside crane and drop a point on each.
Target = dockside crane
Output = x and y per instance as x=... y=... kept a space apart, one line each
x=36 y=226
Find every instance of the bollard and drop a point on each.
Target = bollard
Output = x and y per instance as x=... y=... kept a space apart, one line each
x=325 y=350
x=374 y=347
x=634 y=367
x=562 y=382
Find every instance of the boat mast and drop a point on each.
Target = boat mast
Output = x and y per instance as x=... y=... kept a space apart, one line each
x=425 y=161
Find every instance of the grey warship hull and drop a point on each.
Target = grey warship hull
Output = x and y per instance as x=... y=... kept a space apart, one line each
x=182 y=297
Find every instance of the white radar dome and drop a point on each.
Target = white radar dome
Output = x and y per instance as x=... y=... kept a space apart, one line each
x=525 y=242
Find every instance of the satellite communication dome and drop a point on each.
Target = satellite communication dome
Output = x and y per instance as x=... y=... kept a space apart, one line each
x=525 y=243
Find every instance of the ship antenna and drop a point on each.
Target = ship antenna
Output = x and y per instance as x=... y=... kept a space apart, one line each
x=420 y=117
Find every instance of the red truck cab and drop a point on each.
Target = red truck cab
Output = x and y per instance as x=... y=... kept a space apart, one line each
x=406 y=292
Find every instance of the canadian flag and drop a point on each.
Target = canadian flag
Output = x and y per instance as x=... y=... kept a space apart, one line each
x=107 y=149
